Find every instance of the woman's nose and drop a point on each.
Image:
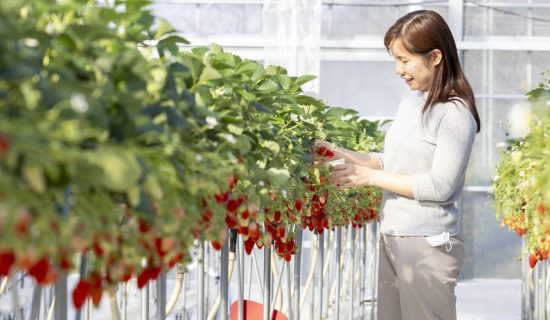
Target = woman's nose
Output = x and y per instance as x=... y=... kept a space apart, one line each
x=399 y=69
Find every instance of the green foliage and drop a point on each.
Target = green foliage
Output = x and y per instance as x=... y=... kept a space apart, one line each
x=108 y=142
x=522 y=181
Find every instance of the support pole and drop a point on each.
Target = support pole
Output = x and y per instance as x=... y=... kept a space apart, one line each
x=267 y=282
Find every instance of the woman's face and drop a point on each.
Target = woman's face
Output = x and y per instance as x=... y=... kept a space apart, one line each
x=417 y=70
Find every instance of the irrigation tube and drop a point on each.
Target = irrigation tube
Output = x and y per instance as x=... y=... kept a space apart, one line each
x=278 y=299
x=352 y=276
x=180 y=277
x=279 y=281
x=310 y=275
x=113 y=304
x=144 y=298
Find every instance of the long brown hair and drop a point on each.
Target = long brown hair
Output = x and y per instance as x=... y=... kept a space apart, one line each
x=421 y=32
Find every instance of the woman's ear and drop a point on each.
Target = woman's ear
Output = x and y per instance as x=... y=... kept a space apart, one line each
x=436 y=56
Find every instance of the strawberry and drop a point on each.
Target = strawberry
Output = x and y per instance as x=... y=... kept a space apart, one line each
x=81 y=293
x=532 y=261
x=39 y=270
x=277 y=216
x=230 y=221
x=7 y=259
x=298 y=205
x=4 y=144
x=143 y=278
x=325 y=152
x=232 y=206
x=216 y=245
x=541 y=208
x=249 y=245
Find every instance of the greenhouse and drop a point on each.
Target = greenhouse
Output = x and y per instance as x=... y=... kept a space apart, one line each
x=274 y=159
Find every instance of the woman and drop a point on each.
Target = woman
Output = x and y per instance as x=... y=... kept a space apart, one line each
x=421 y=170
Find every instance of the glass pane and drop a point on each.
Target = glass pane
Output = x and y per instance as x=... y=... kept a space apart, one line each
x=371 y=88
x=541 y=28
x=490 y=249
x=495 y=115
x=485 y=21
x=229 y=18
x=487 y=75
x=541 y=64
x=346 y=20
x=181 y=16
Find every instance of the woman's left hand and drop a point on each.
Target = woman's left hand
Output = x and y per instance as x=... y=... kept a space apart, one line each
x=350 y=175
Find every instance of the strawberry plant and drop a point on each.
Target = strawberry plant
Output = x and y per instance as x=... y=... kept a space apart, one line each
x=522 y=181
x=116 y=149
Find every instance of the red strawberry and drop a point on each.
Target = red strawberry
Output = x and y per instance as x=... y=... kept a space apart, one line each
x=232 y=181
x=7 y=259
x=325 y=152
x=249 y=245
x=81 y=293
x=4 y=144
x=97 y=287
x=230 y=221
x=532 y=261
x=287 y=256
x=298 y=204
x=154 y=272
x=143 y=278
x=232 y=205
x=216 y=245
x=541 y=208
x=222 y=198
x=39 y=270
x=277 y=216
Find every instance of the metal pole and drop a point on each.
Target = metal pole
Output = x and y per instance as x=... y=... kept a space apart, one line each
x=297 y=284
x=363 y=268
x=200 y=277
x=145 y=297
x=352 y=276
x=240 y=269
x=320 y=274
x=82 y=270
x=338 y=275
x=36 y=294
x=61 y=297
x=289 y=291
x=374 y=270
x=267 y=282
x=161 y=296
x=224 y=279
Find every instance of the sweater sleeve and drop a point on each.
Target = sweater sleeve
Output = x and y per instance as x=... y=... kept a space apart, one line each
x=455 y=137
x=380 y=157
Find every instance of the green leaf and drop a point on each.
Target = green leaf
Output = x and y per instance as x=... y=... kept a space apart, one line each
x=268 y=86
x=121 y=170
x=299 y=81
x=273 y=146
x=209 y=73
x=163 y=28
x=278 y=177
x=235 y=129
x=34 y=176
x=171 y=44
